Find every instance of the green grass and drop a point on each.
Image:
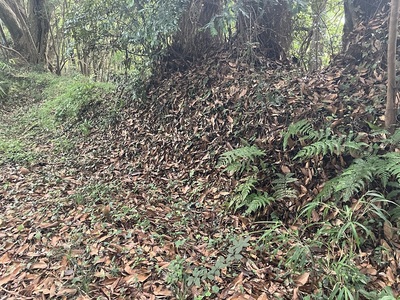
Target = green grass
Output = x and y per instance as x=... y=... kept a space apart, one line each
x=14 y=150
x=42 y=106
x=66 y=101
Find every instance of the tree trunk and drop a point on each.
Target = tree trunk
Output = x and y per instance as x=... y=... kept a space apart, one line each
x=193 y=38
x=391 y=109
x=265 y=25
x=28 y=31
x=318 y=32
x=3 y=37
x=39 y=23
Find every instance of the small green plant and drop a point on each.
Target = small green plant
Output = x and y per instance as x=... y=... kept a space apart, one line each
x=246 y=162
x=342 y=219
x=85 y=127
x=323 y=142
x=94 y=193
x=368 y=167
x=302 y=128
x=241 y=160
x=15 y=150
x=344 y=281
x=362 y=172
x=182 y=274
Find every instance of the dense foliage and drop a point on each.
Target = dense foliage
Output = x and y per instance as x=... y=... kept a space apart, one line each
x=101 y=38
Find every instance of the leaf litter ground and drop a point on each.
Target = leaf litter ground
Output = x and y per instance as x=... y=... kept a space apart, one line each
x=135 y=210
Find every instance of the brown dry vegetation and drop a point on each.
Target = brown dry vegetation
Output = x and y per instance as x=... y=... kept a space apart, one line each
x=135 y=209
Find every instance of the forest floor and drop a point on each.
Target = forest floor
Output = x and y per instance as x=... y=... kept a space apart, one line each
x=85 y=215
x=127 y=200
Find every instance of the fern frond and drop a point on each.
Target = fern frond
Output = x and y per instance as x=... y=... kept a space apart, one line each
x=287 y=193
x=327 y=191
x=318 y=148
x=246 y=187
x=394 y=139
x=393 y=164
x=333 y=146
x=238 y=160
x=242 y=191
x=302 y=128
x=394 y=194
x=235 y=167
x=281 y=187
x=257 y=202
x=353 y=180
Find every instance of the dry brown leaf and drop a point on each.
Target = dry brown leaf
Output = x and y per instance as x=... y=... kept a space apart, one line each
x=301 y=279
x=100 y=274
x=243 y=92
x=137 y=277
x=162 y=291
x=5 y=258
x=295 y=293
x=64 y=292
x=129 y=270
x=24 y=171
x=390 y=276
x=185 y=189
x=263 y=296
x=39 y=265
x=285 y=169
x=6 y=279
x=238 y=281
x=388 y=230
x=241 y=296
x=369 y=271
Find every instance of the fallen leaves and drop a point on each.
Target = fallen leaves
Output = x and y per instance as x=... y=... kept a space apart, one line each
x=302 y=279
x=108 y=219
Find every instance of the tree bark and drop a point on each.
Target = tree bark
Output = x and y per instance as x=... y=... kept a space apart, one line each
x=391 y=109
x=40 y=26
x=193 y=39
x=266 y=25
x=28 y=31
x=3 y=37
x=317 y=39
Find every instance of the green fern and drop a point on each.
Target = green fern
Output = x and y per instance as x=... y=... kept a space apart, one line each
x=354 y=179
x=281 y=187
x=393 y=139
x=392 y=165
x=257 y=202
x=239 y=160
x=334 y=145
x=246 y=197
x=242 y=193
x=244 y=189
x=361 y=173
x=302 y=128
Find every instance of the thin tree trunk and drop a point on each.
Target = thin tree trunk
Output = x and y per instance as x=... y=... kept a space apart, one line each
x=391 y=109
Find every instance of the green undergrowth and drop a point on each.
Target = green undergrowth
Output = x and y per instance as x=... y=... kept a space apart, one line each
x=44 y=107
x=68 y=103
x=326 y=236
